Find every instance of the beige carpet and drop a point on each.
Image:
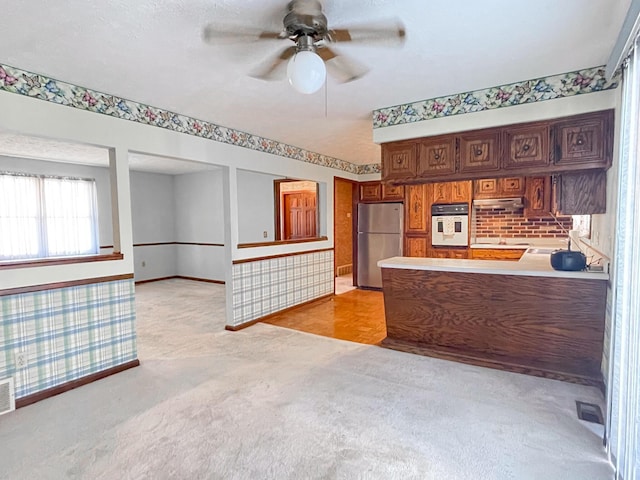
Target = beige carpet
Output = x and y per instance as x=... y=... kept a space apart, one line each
x=273 y=403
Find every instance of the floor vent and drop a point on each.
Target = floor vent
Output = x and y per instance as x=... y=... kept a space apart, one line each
x=7 y=396
x=344 y=270
x=589 y=412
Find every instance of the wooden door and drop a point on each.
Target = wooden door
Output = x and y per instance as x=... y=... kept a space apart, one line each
x=416 y=209
x=479 y=151
x=526 y=146
x=300 y=216
x=398 y=160
x=436 y=156
x=392 y=192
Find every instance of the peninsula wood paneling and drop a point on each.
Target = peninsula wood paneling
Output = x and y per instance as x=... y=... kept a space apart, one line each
x=540 y=325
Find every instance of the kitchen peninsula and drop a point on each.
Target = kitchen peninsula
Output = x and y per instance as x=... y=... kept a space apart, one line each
x=518 y=316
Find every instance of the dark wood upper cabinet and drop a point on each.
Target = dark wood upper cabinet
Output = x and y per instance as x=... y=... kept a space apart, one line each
x=436 y=157
x=526 y=146
x=581 y=142
x=584 y=141
x=398 y=160
x=479 y=151
x=370 y=192
x=580 y=193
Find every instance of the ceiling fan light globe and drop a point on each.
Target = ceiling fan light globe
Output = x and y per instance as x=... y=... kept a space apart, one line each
x=306 y=72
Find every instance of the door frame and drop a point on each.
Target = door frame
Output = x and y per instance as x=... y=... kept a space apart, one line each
x=354 y=227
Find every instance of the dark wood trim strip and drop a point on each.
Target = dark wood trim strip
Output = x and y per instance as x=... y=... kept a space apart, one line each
x=178 y=243
x=206 y=280
x=235 y=328
x=102 y=247
x=257 y=259
x=282 y=242
x=70 y=283
x=201 y=244
x=195 y=279
x=46 y=262
x=139 y=282
x=65 y=387
x=153 y=244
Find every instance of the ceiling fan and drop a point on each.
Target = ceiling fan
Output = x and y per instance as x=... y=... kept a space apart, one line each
x=306 y=25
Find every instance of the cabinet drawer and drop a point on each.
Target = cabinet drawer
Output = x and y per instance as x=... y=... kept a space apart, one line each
x=496 y=253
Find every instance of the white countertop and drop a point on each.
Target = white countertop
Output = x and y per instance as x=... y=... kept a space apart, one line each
x=532 y=265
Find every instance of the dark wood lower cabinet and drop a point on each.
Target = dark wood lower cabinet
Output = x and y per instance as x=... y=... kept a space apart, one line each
x=544 y=326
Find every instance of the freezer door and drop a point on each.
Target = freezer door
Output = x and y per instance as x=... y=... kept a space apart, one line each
x=380 y=217
x=371 y=248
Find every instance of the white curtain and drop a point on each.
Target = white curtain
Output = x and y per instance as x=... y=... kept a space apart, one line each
x=624 y=371
x=44 y=217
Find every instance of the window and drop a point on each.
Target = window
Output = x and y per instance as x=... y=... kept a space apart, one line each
x=43 y=216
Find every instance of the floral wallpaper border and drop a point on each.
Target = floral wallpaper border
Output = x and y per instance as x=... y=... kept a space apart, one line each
x=34 y=85
x=547 y=88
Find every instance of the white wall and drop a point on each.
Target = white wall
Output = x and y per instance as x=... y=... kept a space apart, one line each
x=199 y=218
x=256 y=207
x=153 y=218
x=100 y=174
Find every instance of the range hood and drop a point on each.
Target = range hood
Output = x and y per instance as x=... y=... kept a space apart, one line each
x=511 y=203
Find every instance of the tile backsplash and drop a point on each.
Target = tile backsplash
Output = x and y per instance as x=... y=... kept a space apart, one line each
x=498 y=222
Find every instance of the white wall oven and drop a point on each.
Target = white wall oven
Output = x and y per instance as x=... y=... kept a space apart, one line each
x=450 y=225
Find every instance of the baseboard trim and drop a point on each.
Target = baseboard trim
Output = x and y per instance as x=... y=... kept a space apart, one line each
x=195 y=279
x=235 y=328
x=65 y=387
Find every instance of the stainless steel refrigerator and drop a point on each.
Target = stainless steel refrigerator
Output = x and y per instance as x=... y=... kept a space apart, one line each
x=379 y=236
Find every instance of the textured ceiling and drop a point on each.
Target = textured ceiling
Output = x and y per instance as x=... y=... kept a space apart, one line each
x=151 y=51
x=14 y=145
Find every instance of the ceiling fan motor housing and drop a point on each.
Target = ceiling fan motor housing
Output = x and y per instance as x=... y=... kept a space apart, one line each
x=305 y=18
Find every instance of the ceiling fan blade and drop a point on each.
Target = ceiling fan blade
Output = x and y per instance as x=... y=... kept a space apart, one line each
x=389 y=33
x=217 y=35
x=270 y=70
x=340 y=67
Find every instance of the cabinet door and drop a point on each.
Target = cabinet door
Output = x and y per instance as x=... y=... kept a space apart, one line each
x=439 y=252
x=436 y=156
x=441 y=192
x=485 y=188
x=581 y=193
x=370 y=191
x=537 y=196
x=392 y=192
x=416 y=209
x=460 y=192
x=526 y=147
x=398 y=160
x=416 y=246
x=584 y=142
x=512 y=187
x=479 y=151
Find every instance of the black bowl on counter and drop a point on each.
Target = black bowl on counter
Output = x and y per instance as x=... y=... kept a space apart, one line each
x=568 y=260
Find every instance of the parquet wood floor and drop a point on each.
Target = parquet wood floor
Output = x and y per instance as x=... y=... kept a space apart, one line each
x=357 y=316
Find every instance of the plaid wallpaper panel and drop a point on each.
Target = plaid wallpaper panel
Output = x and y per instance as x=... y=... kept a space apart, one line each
x=267 y=286
x=66 y=333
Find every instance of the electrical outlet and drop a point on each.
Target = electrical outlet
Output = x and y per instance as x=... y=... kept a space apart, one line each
x=265 y=234
x=21 y=359
x=144 y=264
